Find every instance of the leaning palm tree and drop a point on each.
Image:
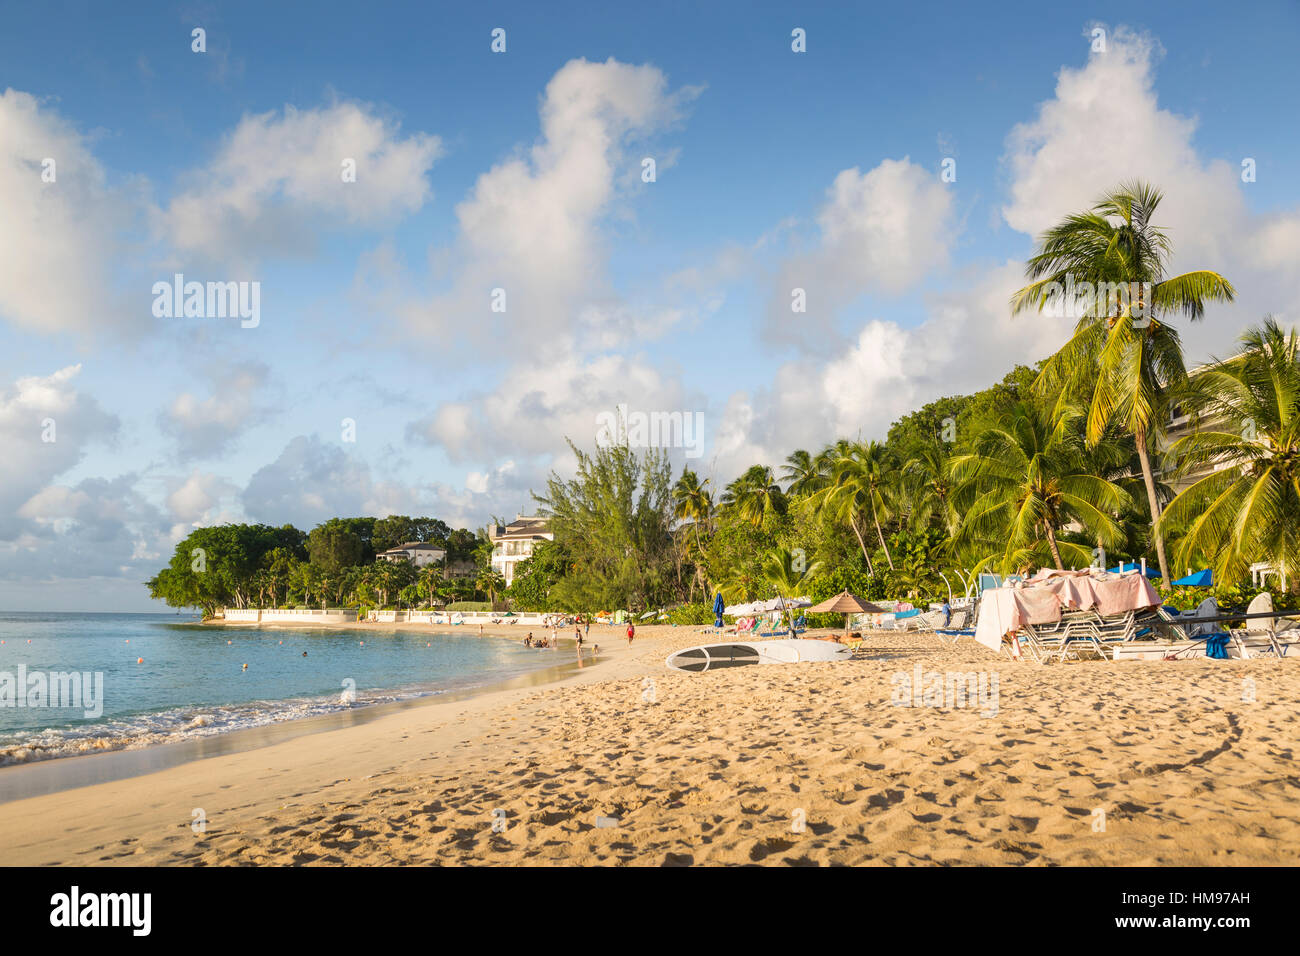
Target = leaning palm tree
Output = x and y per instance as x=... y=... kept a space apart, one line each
x=862 y=479
x=1024 y=480
x=1122 y=359
x=693 y=505
x=1247 y=507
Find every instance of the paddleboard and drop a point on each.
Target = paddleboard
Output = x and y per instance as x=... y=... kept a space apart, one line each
x=741 y=653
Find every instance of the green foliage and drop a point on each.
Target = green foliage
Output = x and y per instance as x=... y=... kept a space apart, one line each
x=535 y=577
x=470 y=606
x=613 y=521
x=691 y=614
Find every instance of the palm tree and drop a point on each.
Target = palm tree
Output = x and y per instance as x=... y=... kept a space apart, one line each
x=491 y=582
x=693 y=504
x=928 y=486
x=860 y=485
x=1123 y=363
x=754 y=495
x=805 y=473
x=787 y=573
x=1247 y=508
x=1024 y=480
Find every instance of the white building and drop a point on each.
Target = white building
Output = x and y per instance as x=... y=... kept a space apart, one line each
x=515 y=542
x=419 y=553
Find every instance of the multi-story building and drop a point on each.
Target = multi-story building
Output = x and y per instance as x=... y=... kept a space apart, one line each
x=514 y=542
x=418 y=553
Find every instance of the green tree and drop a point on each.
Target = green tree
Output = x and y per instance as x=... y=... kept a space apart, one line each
x=1247 y=507
x=1123 y=363
x=1022 y=482
x=614 y=522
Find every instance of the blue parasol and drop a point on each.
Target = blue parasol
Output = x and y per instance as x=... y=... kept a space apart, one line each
x=718 y=605
x=1201 y=579
x=1151 y=572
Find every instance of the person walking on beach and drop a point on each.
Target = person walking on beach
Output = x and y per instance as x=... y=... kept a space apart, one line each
x=631 y=633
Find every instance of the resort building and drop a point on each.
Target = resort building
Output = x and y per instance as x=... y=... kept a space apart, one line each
x=419 y=553
x=514 y=542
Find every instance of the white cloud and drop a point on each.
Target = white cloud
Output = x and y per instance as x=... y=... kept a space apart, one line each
x=279 y=177
x=194 y=499
x=59 y=239
x=46 y=427
x=882 y=231
x=558 y=394
x=207 y=427
x=531 y=224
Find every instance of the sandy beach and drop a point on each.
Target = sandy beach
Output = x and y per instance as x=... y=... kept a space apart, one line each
x=628 y=763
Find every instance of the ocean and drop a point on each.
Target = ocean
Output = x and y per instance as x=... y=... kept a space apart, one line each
x=161 y=678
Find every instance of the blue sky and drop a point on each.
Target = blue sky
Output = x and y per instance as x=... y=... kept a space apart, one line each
x=521 y=170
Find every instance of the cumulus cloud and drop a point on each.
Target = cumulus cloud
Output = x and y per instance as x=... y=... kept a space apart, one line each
x=279 y=177
x=207 y=427
x=46 y=428
x=966 y=342
x=559 y=394
x=881 y=231
x=531 y=225
x=194 y=499
x=61 y=240
x=51 y=529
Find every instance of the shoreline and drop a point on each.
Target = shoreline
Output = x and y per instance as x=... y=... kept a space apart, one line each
x=630 y=763
x=39 y=775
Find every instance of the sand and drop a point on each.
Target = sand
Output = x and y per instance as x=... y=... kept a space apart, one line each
x=1142 y=762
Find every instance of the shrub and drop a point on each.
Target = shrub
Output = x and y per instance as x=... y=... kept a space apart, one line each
x=470 y=606
x=698 y=613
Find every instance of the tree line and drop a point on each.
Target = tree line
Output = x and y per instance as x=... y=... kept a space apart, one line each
x=334 y=564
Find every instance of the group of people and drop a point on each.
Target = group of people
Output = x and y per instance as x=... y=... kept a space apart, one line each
x=581 y=631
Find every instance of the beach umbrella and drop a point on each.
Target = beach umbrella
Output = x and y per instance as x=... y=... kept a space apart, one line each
x=1201 y=579
x=846 y=604
x=718 y=608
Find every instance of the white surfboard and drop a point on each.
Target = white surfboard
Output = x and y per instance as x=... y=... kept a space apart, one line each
x=740 y=653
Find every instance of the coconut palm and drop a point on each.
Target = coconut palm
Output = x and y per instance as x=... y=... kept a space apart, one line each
x=1026 y=479
x=861 y=486
x=927 y=484
x=1247 y=508
x=693 y=505
x=1122 y=356
x=804 y=472
x=754 y=495
x=787 y=572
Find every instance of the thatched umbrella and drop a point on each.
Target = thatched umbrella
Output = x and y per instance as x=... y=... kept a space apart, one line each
x=846 y=604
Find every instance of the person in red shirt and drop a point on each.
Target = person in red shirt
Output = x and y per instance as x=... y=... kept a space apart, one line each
x=631 y=633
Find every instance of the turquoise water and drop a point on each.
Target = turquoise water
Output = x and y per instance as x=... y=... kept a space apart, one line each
x=192 y=682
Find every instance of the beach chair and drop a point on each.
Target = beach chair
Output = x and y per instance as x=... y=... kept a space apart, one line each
x=1259 y=636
